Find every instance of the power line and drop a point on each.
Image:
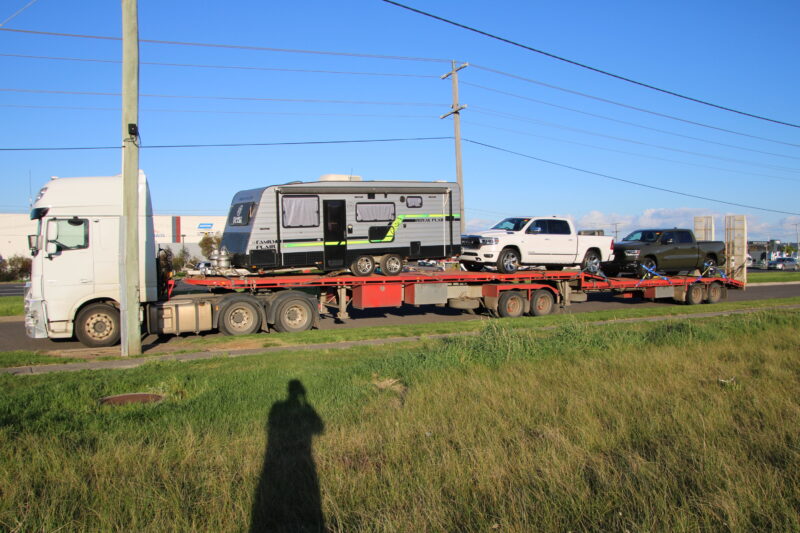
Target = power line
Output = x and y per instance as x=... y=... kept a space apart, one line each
x=234 y=98
x=17 y=12
x=628 y=106
x=219 y=111
x=627 y=123
x=630 y=153
x=233 y=46
x=476 y=109
x=593 y=69
x=232 y=67
x=230 y=145
x=630 y=182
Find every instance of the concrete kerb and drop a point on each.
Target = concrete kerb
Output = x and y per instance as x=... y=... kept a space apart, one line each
x=121 y=364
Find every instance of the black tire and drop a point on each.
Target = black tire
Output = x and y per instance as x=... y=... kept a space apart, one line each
x=511 y=304
x=472 y=266
x=695 y=294
x=294 y=314
x=542 y=302
x=715 y=293
x=709 y=264
x=508 y=261
x=363 y=265
x=98 y=325
x=240 y=315
x=591 y=262
x=649 y=262
x=554 y=267
x=611 y=270
x=391 y=265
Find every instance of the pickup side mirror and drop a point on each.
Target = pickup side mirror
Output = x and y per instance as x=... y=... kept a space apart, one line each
x=668 y=241
x=535 y=229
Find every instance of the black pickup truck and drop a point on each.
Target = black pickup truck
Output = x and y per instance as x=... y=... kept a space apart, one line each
x=664 y=250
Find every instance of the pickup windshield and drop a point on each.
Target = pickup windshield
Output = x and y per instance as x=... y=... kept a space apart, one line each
x=511 y=224
x=643 y=236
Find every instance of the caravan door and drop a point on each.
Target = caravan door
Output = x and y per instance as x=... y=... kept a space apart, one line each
x=335 y=236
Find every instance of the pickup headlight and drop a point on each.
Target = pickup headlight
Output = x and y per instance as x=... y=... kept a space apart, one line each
x=489 y=240
x=632 y=253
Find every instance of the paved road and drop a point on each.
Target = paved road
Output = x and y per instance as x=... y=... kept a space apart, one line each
x=12 y=289
x=12 y=331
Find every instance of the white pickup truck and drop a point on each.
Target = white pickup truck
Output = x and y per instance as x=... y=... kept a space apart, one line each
x=545 y=241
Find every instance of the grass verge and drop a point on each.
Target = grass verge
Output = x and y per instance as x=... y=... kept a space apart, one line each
x=682 y=425
x=12 y=306
x=772 y=277
x=25 y=358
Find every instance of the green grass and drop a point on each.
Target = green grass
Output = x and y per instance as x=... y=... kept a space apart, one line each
x=771 y=277
x=669 y=426
x=12 y=306
x=25 y=358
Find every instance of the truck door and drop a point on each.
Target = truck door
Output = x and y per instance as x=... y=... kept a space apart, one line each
x=67 y=268
x=334 y=215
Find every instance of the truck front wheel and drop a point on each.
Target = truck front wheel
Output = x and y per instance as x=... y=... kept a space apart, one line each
x=508 y=261
x=97 y=325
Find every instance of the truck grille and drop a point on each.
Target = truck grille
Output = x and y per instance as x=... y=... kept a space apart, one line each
x=470 y=241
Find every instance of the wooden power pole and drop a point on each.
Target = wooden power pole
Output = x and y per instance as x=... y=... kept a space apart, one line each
x=131 y=330
x=455 y=110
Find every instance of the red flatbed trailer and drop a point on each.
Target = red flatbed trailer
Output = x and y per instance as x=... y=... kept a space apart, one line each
x=293 y=302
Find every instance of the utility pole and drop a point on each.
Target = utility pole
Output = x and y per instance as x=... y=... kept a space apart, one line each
x=131 y=329
x=455 y=110
x=797 y=240
x=616 y=230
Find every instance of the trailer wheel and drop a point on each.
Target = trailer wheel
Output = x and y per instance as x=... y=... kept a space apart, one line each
x=363 y=265
x=542 y=302
x=97 y=325
x=294 y=314
x=508 y=261
x=391 y=265
x=715 y=293
x=511 y=304
x=695 y=294
x=240 y=316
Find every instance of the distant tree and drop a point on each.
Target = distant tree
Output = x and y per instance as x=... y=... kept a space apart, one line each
x=208 y=243
x=19 y=266
x=180 y=260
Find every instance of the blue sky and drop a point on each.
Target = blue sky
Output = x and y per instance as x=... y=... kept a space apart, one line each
x=737 y=54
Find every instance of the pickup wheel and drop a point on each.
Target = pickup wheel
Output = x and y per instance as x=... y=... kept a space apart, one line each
x=709 y=264
x=391 y=265
x=98 y=325
x=363 y=265
x=294 y=314
x=591 y=261
x=542 y=302
x=240 y=316
x=508 y=261
x=511 y=304
x=649 y=262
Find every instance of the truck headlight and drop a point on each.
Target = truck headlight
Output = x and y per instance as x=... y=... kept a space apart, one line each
x=489 y=240
x=632 y=253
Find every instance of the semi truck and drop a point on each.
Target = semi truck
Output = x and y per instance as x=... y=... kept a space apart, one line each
x=75 y=286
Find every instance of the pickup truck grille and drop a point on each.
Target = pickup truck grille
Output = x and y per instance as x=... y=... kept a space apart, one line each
x=469 y=241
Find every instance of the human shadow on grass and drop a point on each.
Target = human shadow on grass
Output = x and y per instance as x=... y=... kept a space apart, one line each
x=288 y=495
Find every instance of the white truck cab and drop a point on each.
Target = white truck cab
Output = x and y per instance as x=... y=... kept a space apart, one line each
x=551 y=242
x=76 y=258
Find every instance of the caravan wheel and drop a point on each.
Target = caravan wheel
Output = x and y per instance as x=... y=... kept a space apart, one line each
x=391 y=265
x=363 y=265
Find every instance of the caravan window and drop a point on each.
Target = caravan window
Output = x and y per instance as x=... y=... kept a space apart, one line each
x=414 y=201
x=377 y=212
x=240 y=214
x=300 y=211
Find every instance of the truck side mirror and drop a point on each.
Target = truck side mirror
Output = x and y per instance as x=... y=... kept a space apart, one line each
x=33 y=243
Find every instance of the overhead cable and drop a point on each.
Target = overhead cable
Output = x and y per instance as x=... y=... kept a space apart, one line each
x=230 y=145
x=623 y=180
x=233 y=67
x=232 y=46
x=593 y=69
x=627 y=123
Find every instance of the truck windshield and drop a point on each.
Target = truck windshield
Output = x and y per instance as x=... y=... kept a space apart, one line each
x=511 y=224
x=643 y=236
